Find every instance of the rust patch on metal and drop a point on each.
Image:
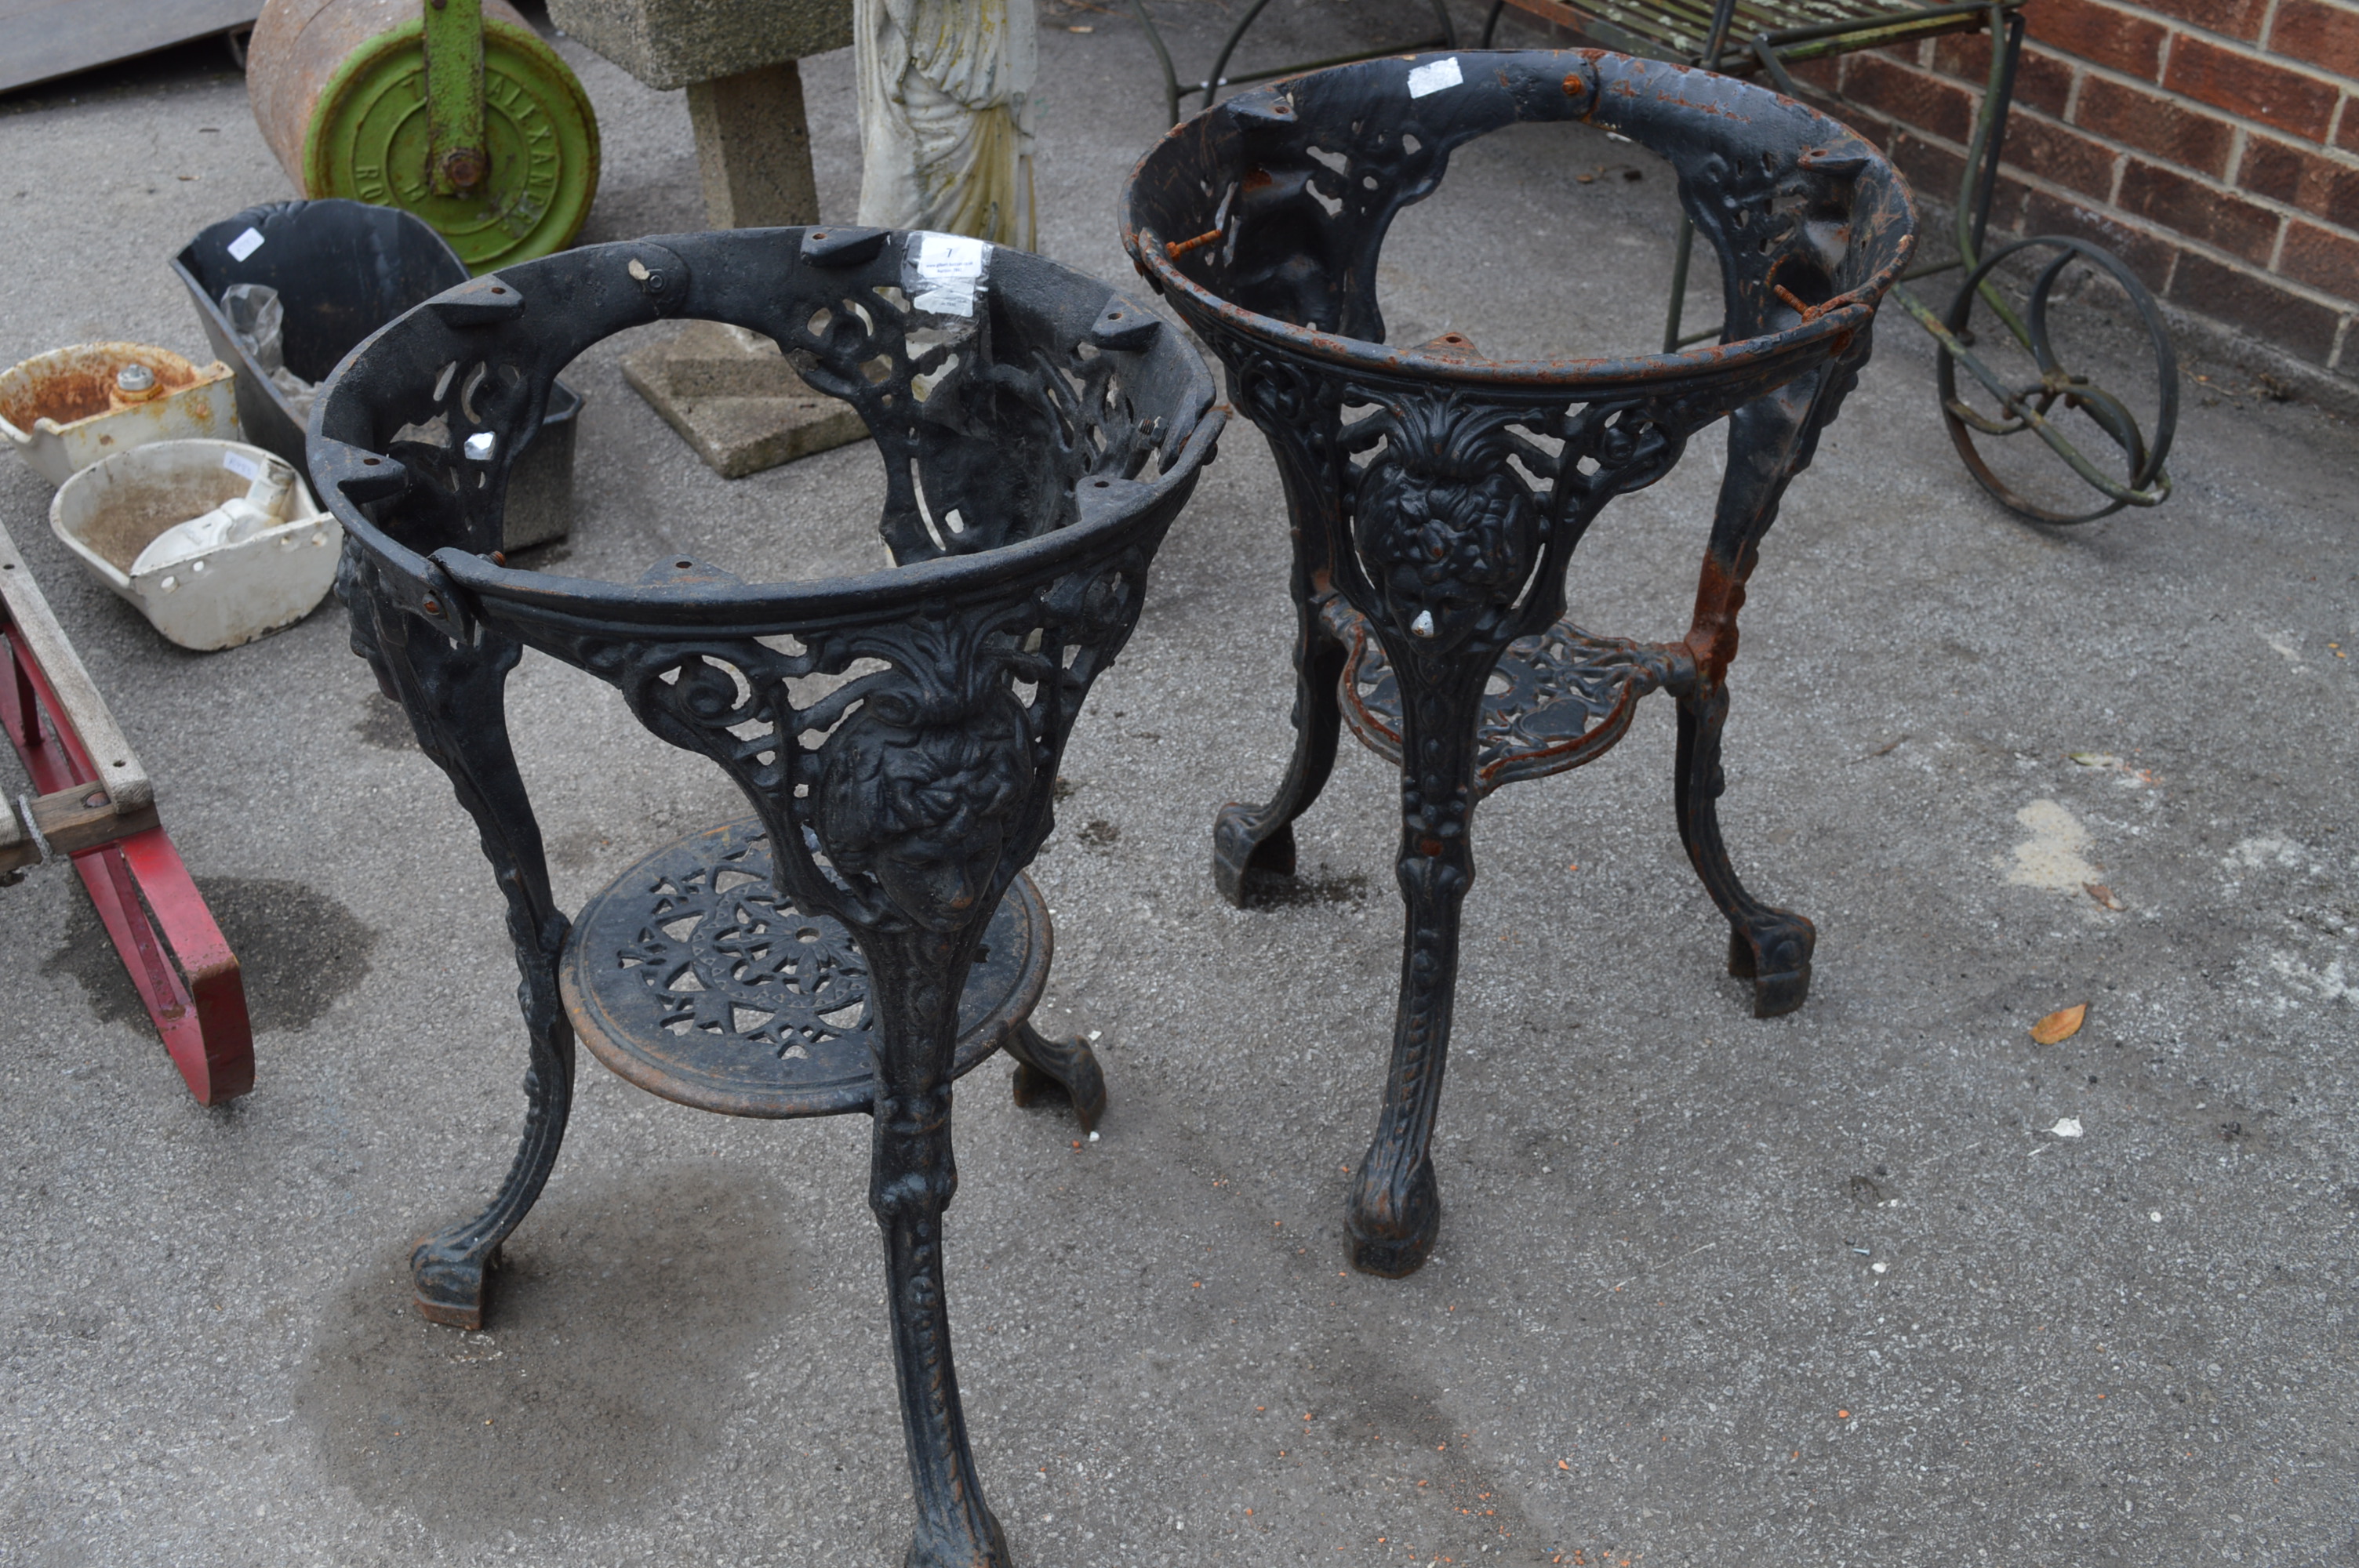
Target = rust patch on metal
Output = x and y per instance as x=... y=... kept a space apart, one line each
x=1175 y=249
x=79 y=384
x=1711 y=635
x=1806 y=311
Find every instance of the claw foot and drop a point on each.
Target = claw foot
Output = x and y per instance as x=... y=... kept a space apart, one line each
x=449 y=1286
x=1775 y=954
x=1049 y=1070
x=1237 y=851
x=1392 y=1231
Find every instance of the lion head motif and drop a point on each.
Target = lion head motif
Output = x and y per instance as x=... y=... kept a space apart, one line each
x=1446 y=529
x=923 y=795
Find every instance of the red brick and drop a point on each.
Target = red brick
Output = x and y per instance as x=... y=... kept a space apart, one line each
x=2042 y=80
x=2153 y=123
x=1938 y=235
x=2200 y=211
x=1926 y=101
x=2347 y=138
x=2148 y=254
x=2255 y=88
x=2317 y=34
x=1825 y=73
x=2060 y=157
x=2237 y=18
x=2256 y=305
x=1965 y=56
x=2323 y=258
x=1930 y=170
x=2099 y=33
x=2008 y=205
x=1872 y=128
x=2300 y=178
x=1858 y=117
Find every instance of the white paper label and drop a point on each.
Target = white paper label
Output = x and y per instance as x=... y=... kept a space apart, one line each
x=246 y=244
x=945 y=274
x=245 y=468
x=1434 y=77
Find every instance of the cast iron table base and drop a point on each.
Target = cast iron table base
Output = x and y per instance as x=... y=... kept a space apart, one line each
x=1436 y=495
x=867 y=935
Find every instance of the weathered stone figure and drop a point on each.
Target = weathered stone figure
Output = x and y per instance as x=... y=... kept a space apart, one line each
x=946 y=115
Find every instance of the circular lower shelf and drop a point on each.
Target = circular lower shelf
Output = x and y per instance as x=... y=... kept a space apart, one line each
x=1557 y=700
x=689 y=976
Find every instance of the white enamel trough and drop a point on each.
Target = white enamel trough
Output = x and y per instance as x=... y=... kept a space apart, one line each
x=216 y=542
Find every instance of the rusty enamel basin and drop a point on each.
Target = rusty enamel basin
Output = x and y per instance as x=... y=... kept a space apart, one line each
x=66 y=409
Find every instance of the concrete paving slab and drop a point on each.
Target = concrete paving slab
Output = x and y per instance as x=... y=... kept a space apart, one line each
x=1829 y=1289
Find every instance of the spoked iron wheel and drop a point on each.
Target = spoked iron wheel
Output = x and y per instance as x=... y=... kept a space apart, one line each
x=2035 y=391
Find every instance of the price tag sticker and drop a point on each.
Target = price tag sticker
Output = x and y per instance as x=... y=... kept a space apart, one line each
x=246 y=244
x=1433 y=77
x=945 y=271
x=245 y=468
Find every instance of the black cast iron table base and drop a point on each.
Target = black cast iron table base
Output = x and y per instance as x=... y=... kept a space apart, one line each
x=868 y=936
x=1560 y=700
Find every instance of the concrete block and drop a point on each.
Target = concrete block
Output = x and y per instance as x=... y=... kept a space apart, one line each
x=735 y=398
x=670 y=43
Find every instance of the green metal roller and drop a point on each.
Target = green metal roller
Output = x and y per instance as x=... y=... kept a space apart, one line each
x=454 y=110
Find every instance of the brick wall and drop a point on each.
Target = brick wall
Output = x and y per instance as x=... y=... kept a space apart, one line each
x=2214 y=145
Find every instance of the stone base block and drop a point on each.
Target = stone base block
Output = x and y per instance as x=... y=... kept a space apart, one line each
x=737 y=400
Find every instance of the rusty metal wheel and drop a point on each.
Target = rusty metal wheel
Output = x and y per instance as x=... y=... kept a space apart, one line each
x=2035 y=405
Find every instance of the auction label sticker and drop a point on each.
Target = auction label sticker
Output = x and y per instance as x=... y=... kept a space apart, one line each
x=246 y=244
x=245 y=468
x=945 y=271
x=1433 y=78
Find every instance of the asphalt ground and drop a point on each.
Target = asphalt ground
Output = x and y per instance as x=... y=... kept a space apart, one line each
x=1828 y=1289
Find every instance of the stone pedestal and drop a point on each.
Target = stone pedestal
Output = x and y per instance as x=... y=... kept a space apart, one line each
x=729 y=393
x=753 y=148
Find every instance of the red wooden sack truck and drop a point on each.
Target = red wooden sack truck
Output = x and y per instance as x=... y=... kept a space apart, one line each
x=93 y=801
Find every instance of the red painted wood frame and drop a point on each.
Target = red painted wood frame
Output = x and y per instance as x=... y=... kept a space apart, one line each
x=176 y=957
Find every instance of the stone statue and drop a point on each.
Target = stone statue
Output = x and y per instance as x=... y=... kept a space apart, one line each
x=946 y=115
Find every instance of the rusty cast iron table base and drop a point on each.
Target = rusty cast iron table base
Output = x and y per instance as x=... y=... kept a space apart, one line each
x=1436 y=495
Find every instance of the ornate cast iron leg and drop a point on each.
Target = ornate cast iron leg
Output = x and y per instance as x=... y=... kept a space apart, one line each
x=1769 y=441
x=1768 y=946
x=1395 y=1206
x=1053 y=1069
x=912 y=1176
x=1298 y=419
x=453 y=694
x=1261 y=837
